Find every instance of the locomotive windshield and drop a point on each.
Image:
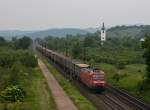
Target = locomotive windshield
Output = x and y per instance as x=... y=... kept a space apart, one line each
x=98 y=74
x=98 y=77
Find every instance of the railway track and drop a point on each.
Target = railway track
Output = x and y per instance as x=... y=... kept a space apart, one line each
x=109 y=101
x=128 y=99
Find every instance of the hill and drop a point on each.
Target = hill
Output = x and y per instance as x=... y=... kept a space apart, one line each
x=44 y=33
x=11 y=33
x=57 y=32
x=128 y=31
x=92 y=30
x=117 y=31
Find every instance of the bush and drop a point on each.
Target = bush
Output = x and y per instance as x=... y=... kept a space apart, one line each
x=116 y=77
x=28 y=60
x=143 y=85
x=120 y=65
x=16 y=73
x=6 y=59
x=13 y=93
x=91 y=63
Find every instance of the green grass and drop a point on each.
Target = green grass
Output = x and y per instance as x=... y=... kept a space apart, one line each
x=38 y=96
x=79 y=100
x=133 y=75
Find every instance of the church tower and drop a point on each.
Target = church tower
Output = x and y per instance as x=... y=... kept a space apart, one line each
x=103 y=33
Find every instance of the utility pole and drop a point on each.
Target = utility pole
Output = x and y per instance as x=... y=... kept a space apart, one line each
x=66 y=47
x=44 y=45
x=84 y=52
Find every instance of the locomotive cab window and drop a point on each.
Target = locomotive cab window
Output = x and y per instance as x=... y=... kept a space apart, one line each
x=98 y=77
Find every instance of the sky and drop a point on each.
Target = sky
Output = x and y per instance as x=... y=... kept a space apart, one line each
x=44 y=14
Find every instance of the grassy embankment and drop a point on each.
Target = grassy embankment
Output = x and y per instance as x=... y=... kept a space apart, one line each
x=38 y=96
x=79 y=100
x=130 y=76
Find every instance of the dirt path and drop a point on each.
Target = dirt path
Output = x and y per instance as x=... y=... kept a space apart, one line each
x=62 y=100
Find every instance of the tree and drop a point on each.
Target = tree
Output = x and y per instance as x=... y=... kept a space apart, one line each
x=76 y=50
x=23 y=43
x=2 y=41
x=91 y=40
x=146 y=46
x=6 y=59
x=28 y=60
x=16 y=72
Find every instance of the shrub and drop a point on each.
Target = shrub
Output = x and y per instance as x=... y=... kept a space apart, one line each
x=120 y=65
x=16 y=73
x=143 y=85
x=28 y=60
x=13 y=93
x=91 y=62
x=6 y=59
x=116 y=77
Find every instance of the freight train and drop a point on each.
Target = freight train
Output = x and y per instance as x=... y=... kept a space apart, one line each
x=92 y=78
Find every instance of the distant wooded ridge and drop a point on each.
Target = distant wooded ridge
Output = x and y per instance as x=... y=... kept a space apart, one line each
x=117 y=31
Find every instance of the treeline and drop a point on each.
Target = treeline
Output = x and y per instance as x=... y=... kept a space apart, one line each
x=128 y=31
x=146 y=46
x=116 y=51
x=16 y=43
x=16 y=64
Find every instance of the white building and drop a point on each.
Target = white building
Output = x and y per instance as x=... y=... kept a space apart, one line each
x=103 y=33
x=142 y=39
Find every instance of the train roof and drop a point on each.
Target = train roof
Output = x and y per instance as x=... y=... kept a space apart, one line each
x=83 y=65
x=78 y=63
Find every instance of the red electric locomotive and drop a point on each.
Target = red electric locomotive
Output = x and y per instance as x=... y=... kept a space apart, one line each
x=93 y=78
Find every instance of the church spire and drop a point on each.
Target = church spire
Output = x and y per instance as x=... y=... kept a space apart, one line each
x=103 y=33
x=103 y=26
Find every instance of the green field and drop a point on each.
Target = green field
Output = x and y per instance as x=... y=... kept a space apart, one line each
x=38 y=95
x=129 y=78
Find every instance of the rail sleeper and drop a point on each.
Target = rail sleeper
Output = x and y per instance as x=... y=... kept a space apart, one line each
x=129 y=98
